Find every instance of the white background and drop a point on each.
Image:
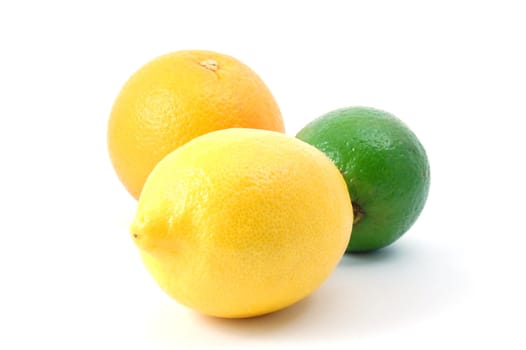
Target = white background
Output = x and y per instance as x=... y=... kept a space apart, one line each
x=454 y=71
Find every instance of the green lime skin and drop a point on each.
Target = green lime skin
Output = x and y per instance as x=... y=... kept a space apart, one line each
x=384 y=165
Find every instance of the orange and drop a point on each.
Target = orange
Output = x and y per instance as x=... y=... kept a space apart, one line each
x=242 y=222
x=177 y=97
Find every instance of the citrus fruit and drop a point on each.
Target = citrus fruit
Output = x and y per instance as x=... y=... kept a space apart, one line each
x=242 y=222
x=385 y=167
x=177 y=97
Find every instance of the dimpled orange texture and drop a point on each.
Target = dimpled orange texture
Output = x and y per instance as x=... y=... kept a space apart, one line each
x=177 y=97
x=242 y=222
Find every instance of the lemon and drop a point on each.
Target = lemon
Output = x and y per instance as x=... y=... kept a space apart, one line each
x=242 y=222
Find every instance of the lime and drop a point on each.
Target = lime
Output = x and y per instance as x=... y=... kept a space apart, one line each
x=384 y=165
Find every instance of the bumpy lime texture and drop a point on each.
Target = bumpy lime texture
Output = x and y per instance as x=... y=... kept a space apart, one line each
x=384 y=165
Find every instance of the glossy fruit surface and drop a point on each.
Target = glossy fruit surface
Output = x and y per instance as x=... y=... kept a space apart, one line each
x=385 y=167
x=242 y=222
x=177 y=97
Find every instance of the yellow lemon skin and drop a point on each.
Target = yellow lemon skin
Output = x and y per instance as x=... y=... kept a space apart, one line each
x=242 y=222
